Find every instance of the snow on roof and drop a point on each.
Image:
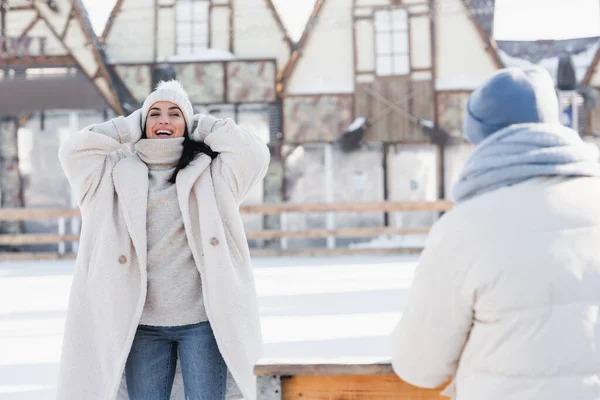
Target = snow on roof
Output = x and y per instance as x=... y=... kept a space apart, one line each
x=204 y=55
x=581 y=61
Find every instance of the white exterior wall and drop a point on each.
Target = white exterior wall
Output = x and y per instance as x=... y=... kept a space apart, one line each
x=18 y=21
x=365 y=45
x=318 y=69
x=219 y=28
x=166 y=32
x=420 y=42
x=257 y=34
x=132 y=34
x=462 y=61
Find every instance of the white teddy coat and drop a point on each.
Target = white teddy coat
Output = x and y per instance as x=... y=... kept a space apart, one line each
x=109 y=283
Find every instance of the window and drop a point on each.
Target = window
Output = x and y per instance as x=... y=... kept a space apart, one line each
x=192 y=20
x=391 y=42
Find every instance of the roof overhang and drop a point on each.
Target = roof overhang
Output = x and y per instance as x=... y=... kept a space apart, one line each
x=20 y=94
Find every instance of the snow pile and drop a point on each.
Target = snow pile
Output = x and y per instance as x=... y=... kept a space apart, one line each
x=358 y=122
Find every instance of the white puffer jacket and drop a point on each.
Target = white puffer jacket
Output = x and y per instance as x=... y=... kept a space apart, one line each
x=506 y=297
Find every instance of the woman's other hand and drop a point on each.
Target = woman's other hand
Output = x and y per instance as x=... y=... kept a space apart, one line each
x=204 y=124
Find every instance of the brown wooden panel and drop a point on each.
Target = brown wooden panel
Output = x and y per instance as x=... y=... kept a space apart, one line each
x=361 y=101
x=341 y=232
x=422 y=106
x=16 y=240
x=353 y=387
x=393 y=105
x=35 y=256
x=350 y=207
x=23 y=214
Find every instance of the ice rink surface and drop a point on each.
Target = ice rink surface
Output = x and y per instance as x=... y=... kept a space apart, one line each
x=311 y=309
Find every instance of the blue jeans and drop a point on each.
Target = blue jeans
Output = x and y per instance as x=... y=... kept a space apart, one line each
x=150 y=367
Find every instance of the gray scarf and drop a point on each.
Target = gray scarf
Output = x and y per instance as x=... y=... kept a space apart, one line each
x=525 y=151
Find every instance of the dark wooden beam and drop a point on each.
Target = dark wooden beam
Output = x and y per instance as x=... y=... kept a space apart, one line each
x=20 y=8
x=37 y=61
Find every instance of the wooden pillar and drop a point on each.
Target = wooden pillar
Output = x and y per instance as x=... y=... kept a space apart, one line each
x=11 y=193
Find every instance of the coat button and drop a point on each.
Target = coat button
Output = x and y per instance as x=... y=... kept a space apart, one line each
x=122 y=260
x=214 y=241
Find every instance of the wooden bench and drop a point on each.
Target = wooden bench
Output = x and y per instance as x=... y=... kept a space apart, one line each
x=281 y=380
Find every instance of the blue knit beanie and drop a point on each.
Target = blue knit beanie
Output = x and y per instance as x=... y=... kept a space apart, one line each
x=511 y=96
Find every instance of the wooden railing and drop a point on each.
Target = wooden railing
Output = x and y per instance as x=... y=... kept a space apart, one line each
x=62 y=215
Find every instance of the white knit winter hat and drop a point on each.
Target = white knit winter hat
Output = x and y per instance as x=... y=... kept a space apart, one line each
x=173 y=92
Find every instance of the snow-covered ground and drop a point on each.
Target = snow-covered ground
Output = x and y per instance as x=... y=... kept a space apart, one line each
x=311 y=308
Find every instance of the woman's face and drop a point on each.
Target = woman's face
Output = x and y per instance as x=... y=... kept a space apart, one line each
x=165 y=121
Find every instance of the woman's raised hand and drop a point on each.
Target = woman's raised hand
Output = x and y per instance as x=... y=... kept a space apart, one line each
x=203 y=125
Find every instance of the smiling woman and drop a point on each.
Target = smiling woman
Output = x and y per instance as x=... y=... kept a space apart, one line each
x=169 y=288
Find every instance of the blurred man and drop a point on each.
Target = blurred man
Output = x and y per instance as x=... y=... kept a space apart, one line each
x=506 y=297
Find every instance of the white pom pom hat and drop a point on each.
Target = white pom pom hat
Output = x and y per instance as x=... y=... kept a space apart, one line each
x=173 y=92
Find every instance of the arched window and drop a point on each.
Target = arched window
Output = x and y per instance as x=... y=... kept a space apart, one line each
x=192 y=26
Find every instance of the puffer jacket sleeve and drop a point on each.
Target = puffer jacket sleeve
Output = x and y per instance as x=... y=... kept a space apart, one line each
x=89 y=155
x=428 y=341
x=243 y=157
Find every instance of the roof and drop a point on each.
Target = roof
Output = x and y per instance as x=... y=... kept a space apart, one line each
x=22 y=94
x=531 y=51
x=481 y=13
x=65 y=21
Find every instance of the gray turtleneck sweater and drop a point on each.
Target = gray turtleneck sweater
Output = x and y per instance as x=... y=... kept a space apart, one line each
x=174 y=285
